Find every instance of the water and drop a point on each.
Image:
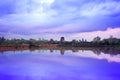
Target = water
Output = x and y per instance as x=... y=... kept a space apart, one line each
x=59 y=65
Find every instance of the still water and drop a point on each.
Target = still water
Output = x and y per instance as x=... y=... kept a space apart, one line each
x=58 y=65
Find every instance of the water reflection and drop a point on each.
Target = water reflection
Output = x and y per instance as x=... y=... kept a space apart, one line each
x=110 y=55
x=60 y=64
x=106 y=50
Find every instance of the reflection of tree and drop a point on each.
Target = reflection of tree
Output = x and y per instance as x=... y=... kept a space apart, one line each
x=97 y=51
x=106 y=50
x=111 y=51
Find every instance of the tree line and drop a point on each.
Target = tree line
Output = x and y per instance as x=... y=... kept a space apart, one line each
x=62 y=42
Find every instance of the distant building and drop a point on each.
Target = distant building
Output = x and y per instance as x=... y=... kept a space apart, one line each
x=96 y=39
x=51 y=41
x=62 y=39
x=82 y=39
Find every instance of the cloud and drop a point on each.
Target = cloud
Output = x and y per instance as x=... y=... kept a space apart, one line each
x=33 y=12
x=107 y=8
x=58 y=16
x=68 y=36
x=103 y=34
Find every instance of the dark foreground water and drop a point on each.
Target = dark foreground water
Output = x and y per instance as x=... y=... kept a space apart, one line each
x=46 y=65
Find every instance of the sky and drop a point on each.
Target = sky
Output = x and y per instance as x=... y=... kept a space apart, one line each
x=55 y=18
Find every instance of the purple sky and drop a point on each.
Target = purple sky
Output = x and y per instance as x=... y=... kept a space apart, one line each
x=55 y=18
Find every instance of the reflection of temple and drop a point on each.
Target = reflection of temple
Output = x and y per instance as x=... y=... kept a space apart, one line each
x=51 y=50
x=75 y=50
x=62 y=51
x=97 y=52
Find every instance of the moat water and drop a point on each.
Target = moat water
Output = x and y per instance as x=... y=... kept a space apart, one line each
x=58 y=65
